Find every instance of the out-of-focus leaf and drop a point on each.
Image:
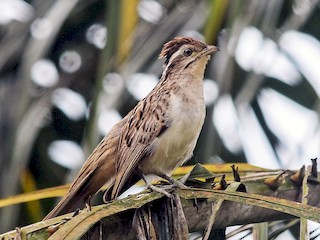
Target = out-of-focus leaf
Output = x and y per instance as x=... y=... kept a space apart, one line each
x=214 y=21
x=128 y=23
x=28 y=184
x=36 y=195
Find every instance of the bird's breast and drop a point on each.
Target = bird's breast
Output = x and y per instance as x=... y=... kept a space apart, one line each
x=186 y=116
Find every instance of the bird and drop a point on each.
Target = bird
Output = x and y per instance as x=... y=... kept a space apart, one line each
x=158 y=135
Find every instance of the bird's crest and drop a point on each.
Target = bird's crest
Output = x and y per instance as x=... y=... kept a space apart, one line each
x=171 y=47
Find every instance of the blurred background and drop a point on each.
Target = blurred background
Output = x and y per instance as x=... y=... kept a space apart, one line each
x=69 y=70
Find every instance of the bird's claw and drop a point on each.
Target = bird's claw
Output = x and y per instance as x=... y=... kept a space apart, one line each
x=159 y=190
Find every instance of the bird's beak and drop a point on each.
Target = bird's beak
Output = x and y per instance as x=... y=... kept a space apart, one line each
x=210 y=49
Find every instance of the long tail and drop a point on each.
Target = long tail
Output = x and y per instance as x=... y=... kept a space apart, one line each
x=66 y=205
x=69 y=203
x=85 y=186
x=73 y=201
x=98 y=170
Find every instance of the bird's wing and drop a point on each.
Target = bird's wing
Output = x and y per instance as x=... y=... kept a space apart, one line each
x=102 y=158
x=145 y=123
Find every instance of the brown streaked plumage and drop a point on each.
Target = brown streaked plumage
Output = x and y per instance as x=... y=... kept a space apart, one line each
x=154 y=138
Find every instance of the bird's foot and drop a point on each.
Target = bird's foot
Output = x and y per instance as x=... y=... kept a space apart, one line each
x=149 y=185
x=174 y=183
x=165 y=188
x=180 y=185
x=159 y=190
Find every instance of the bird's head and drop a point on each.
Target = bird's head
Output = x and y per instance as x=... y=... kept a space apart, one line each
x=183 y=53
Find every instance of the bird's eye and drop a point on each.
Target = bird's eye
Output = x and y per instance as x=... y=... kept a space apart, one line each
x=187 y=52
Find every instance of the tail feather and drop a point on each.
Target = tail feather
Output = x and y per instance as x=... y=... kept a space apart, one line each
x=133 y=179
x=66 y=205
x=75 y=198
x=83 y=189
x=99 y=169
